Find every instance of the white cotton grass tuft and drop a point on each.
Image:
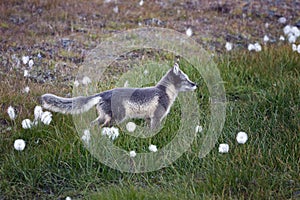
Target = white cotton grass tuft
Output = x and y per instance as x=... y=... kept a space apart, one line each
x=19 y=145
x=292 y=33
x=26 y=124
x=189 y=32
x=152 y=148
x=141 y=3
x=198 y=129
x=130 y=126
x=86 y=80
x=257 y=47
x=132 y=154
x=254 y=47
x=267 y=25
x=241 y=137
x=294 y=47
x=266 y=39
x=251 y=47
x=76 y=83
x=30 y=63
x=292 y=38
x=146 y=72
x=126 y=84
x=112 y=133
x=282 y=20
x=38 y=111
x=287 y=29
x=223 y=148
x=228 y=46
x=46 y=117
x=86 y=136
x=116 y=9
x=295 y=30
x=25 y=59
x=26 y=89
x=26 y=73
x=281 y=38
x=11 y=113
x=298 y=48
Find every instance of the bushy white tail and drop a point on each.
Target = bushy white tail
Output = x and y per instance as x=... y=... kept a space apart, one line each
x=73 y=105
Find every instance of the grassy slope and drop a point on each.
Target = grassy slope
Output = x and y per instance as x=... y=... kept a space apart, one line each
x=263 y=100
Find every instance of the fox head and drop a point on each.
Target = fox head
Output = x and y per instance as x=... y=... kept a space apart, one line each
x=180 y=80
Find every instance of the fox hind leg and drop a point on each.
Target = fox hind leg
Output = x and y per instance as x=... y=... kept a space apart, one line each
x=103 y=119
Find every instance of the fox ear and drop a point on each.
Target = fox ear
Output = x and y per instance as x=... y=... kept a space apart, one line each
x=176 y=68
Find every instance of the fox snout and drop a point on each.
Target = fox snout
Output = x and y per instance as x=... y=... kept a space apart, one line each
x=193 y=85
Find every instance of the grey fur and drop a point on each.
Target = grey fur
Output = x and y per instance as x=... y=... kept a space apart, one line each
x=116 y=105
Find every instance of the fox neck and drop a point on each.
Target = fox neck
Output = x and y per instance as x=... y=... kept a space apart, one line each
x=166 y=84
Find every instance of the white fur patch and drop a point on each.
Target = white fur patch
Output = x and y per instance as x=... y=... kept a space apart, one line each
x=172 y=94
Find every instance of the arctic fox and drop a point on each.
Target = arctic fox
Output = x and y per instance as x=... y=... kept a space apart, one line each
x=116 y=105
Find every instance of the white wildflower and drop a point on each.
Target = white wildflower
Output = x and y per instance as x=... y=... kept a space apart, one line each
x=38 y=111
x=76 y=83
x=267 y=25
x=105 y=131
x=116 y=9
x=86 y=136
x=141 y=3
x=292 y=38
x=146 y=72
x=282 y=20
x=189 y=32
x=68 y=198
x=11 y=113
x=281 y=38
x=295 y=30
x=126 y=84
x=112 y=132
x=223 y=148
x=294 y=47
x=46 y=117
x=287 y=29
x=86 y=80
x=130 y=126
x=26 y=73
x=26 y=89
x=228 y=46
x=198 y=129
x=298 y=48
x=132 y=154
x=251 y=47
x=153 y=148
x=19 y=145
x=30 y=63
x=257 y=47
x=242 y=137
x=266 y=39
x=26 y=124
x=25 y=59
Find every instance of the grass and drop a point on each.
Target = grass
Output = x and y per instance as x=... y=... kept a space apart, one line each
x=263 y=100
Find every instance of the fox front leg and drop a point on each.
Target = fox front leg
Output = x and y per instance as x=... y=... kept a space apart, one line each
x=155 y=123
